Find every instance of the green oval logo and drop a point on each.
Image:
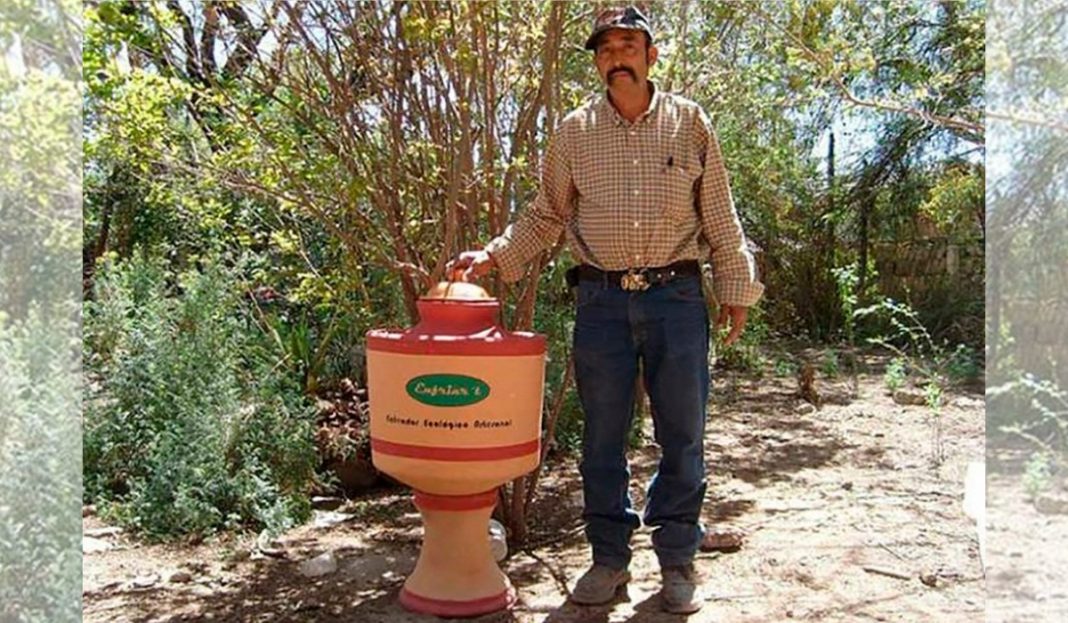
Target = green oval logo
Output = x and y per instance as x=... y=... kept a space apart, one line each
x=447 y=390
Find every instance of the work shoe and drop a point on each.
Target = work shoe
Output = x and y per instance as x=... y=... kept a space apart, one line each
x=599 y=585
x=681 y=593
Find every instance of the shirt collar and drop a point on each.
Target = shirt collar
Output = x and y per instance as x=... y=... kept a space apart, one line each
x=654 y=101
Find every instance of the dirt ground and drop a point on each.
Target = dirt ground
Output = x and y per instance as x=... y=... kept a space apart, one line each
x=832 y=500
x=1027 y=564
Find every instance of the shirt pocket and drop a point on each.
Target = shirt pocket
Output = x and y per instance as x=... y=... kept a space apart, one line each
x=677 y=182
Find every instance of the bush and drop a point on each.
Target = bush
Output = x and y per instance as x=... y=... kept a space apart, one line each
x=962 y=364
x=1037 y=475
x=746 y=354
x=190 y=424
x=897 y=372
x=830 y=366
x=40 y=474
x=555 y=317
x=1040 y=417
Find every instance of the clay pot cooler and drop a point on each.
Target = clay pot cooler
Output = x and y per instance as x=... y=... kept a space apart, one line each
x=456 y=406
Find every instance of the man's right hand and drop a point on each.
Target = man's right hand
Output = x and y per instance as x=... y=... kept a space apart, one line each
x=470 y=265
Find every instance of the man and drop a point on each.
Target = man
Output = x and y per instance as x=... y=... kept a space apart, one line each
x=635 y=178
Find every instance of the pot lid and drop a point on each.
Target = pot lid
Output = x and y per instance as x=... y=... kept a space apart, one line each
x=457 y=291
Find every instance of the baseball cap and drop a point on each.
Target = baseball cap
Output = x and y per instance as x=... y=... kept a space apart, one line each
x=627 y=18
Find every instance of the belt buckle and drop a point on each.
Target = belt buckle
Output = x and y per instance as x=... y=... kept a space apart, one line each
x=633 y=280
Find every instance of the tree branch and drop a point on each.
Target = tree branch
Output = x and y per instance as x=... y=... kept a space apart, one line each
x=1027 y=118
x=974 y=130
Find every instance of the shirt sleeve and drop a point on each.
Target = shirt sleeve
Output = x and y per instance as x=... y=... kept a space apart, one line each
x=734 y=274
x=541 y=225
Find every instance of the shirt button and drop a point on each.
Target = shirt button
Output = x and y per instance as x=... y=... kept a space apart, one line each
x=637 y=224
x=637 y=192
x=636 y=161
x=632 y=132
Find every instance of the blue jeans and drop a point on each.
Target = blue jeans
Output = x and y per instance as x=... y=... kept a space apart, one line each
x=666 y=328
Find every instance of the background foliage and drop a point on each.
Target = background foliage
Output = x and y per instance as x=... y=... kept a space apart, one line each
x=1027 y=76
x=40 y=380
x=318 y=162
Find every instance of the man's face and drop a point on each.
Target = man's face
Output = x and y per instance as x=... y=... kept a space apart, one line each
x=622 y=55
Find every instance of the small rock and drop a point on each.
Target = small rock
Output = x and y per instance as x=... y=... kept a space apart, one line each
x=304 y=606
x=929 y=579
x=722 y=539
x=329 y=519
x=92 y=545
x=847 y=485
x=266 y=546
x=326 y=503
x=145 y=581
x=964 y=402
x=269 y=554
x=336 y=611
x=88 y=510
x=196 y=566
x=905 y=396
x=239 y=555
x=322 y=564
x=805 y=408
x=101 y=532
x=1052 y=505
x=265 y=541
x=181 y=577
x=110 y=585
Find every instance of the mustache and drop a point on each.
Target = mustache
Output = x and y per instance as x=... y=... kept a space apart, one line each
x=625 y=70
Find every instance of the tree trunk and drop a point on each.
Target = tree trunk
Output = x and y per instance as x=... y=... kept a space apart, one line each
x=865 y=216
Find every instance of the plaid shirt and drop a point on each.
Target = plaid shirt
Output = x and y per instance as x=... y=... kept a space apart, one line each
x=631 y=195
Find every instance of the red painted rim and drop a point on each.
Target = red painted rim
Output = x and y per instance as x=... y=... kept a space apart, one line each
x=475 y=501
x=438 y=453
x=448 y=608
x=493 y=344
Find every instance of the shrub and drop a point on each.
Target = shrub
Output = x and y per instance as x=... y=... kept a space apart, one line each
x=831 y=367
x=40 y=474
x=896 y=373
x=745 y=355
x=190 y=423
x=1037 y=475
x=962 y=364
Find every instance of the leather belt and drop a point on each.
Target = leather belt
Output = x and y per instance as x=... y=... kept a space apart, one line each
x=634 y=279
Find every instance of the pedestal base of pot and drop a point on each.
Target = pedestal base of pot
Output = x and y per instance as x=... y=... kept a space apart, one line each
x=456 y=575
x=446 y=608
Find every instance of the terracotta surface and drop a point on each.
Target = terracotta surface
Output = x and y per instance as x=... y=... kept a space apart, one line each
x=456 y=407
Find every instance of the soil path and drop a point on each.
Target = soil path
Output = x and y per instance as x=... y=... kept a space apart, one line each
x=823 y=495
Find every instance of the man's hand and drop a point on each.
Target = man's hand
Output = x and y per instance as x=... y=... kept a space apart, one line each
x=470 y=265
x=737 y=316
